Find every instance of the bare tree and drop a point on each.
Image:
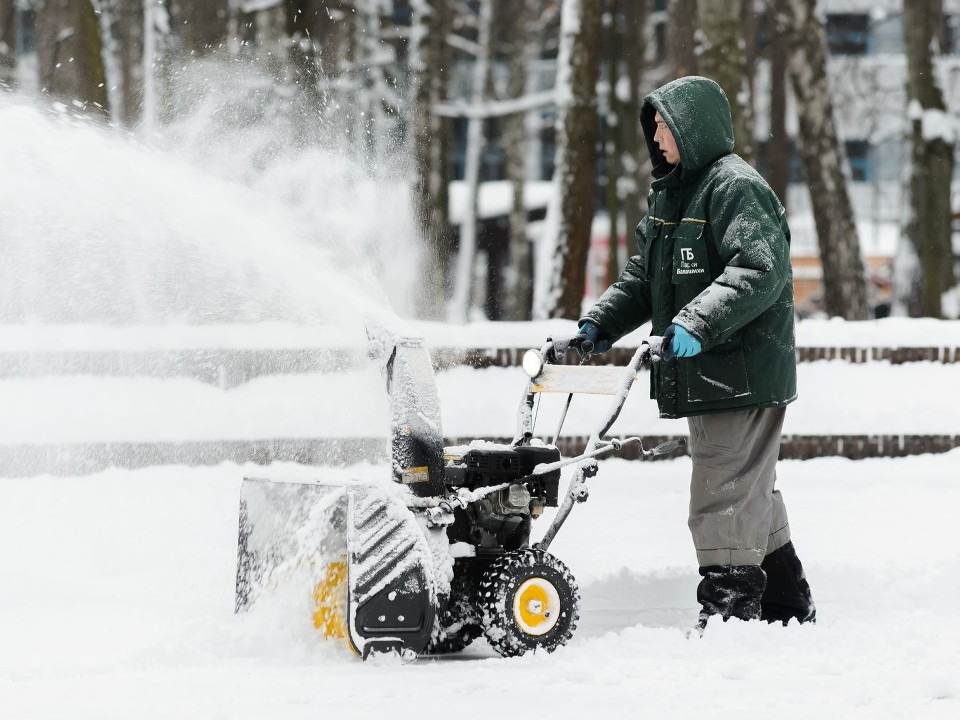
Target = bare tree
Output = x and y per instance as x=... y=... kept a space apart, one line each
x=634 y=164
x=746 y=104
x=8 y=43
x=69 y=60
x=778 y=145
x=823 y=159
x=928 y=223
x=312 y=35
x=158 y=105
x=566 y=235
x=612 y=47
x=722 y=59
x=514 y=27
x=201 y=25
x=682 y=29
x=429 y=56
x=374 y=82
x=130 y=19
x=627 y=176
x=463 y=287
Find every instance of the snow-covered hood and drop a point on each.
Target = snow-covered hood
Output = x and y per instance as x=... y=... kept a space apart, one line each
x=698 y=114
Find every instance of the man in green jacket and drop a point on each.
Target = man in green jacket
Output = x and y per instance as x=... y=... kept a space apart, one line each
x=713 y=274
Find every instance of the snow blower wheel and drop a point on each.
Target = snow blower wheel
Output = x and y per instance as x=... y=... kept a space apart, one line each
x=528 y=601
x=457 y=624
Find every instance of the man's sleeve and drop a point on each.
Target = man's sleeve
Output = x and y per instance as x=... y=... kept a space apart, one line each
x=745 y=220
x=626 y=304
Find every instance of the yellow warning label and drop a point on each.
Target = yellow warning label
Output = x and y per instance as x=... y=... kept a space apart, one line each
x=415 y=475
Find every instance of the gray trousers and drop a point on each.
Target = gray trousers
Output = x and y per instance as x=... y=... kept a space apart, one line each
x=737 y=515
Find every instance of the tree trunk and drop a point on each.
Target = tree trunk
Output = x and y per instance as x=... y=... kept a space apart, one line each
x=201 y=25
x=378 y=101
x=566 y=235
x=69 y=61
x=613 y=43
x=131 y=57
x=778 y=145
x=634 y=159
x=431 y=141
x=304 y=20
x=929 y=219
x=682 y=28
x=721 y=59
x=463 y=288
x=843 y=283
x=515 y=21
x=747 y=103
x=8 y=43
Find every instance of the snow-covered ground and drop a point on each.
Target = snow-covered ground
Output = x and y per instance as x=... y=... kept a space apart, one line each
x=835 y=397
x=116 y=601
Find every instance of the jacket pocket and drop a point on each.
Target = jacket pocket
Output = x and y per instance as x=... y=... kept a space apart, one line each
x=690 y=261
x=719 y=374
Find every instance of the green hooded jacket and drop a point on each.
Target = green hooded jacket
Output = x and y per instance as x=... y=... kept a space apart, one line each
x=714 y=257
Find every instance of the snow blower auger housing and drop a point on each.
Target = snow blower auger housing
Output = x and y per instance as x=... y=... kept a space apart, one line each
x=441 y=555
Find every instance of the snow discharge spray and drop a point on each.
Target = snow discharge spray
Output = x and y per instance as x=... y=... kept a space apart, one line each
x=224 y=222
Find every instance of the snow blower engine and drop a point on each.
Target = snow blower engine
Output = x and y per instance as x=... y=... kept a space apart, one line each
x=441 y=555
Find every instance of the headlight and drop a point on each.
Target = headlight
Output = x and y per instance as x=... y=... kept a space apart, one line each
x=532 y=363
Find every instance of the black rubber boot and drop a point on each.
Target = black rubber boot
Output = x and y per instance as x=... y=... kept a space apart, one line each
x=730 y=591
x=787 y=594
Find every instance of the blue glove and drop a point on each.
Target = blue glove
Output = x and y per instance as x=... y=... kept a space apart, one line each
x=679 y=342
x=591 y=332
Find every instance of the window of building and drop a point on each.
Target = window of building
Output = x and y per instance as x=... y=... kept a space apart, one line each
x=660 y=38
x=887 y=35
x=548 y=150
x=951 y=33
x=861 y=160
x=26 y=31
x=860 y=155
x=402 y=14
x=848 y=34
x=887 y=165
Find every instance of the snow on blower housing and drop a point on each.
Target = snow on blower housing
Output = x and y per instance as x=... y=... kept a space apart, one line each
x=441 y=555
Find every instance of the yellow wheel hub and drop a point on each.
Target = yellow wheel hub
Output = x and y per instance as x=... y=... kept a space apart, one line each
x=536 y=606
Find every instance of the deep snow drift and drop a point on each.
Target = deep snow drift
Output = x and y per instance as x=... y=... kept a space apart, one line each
x=116 y=601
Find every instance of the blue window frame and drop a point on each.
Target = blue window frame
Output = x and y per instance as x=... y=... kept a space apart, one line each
x=849 y=34
x=860 y=157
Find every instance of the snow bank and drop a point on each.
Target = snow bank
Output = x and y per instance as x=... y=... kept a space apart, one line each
x=876 y=399
x=835 y=397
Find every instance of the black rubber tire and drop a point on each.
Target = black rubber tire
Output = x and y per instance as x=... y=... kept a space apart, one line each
x=457 y=623
x=498 y=589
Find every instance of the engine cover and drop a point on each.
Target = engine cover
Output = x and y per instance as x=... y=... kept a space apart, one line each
x=482 y=466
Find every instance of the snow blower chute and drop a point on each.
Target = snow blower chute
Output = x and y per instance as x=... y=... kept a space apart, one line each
x=442 y=555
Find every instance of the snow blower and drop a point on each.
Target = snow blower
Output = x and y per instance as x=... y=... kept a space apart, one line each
x=442 y=555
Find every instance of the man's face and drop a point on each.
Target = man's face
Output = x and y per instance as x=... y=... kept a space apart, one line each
x=664 y=138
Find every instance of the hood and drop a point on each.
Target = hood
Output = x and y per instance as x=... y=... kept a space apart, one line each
x=698 y=114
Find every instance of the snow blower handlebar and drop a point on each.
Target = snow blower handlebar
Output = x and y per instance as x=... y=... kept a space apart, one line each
x=650 y=351
x=546 y=374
